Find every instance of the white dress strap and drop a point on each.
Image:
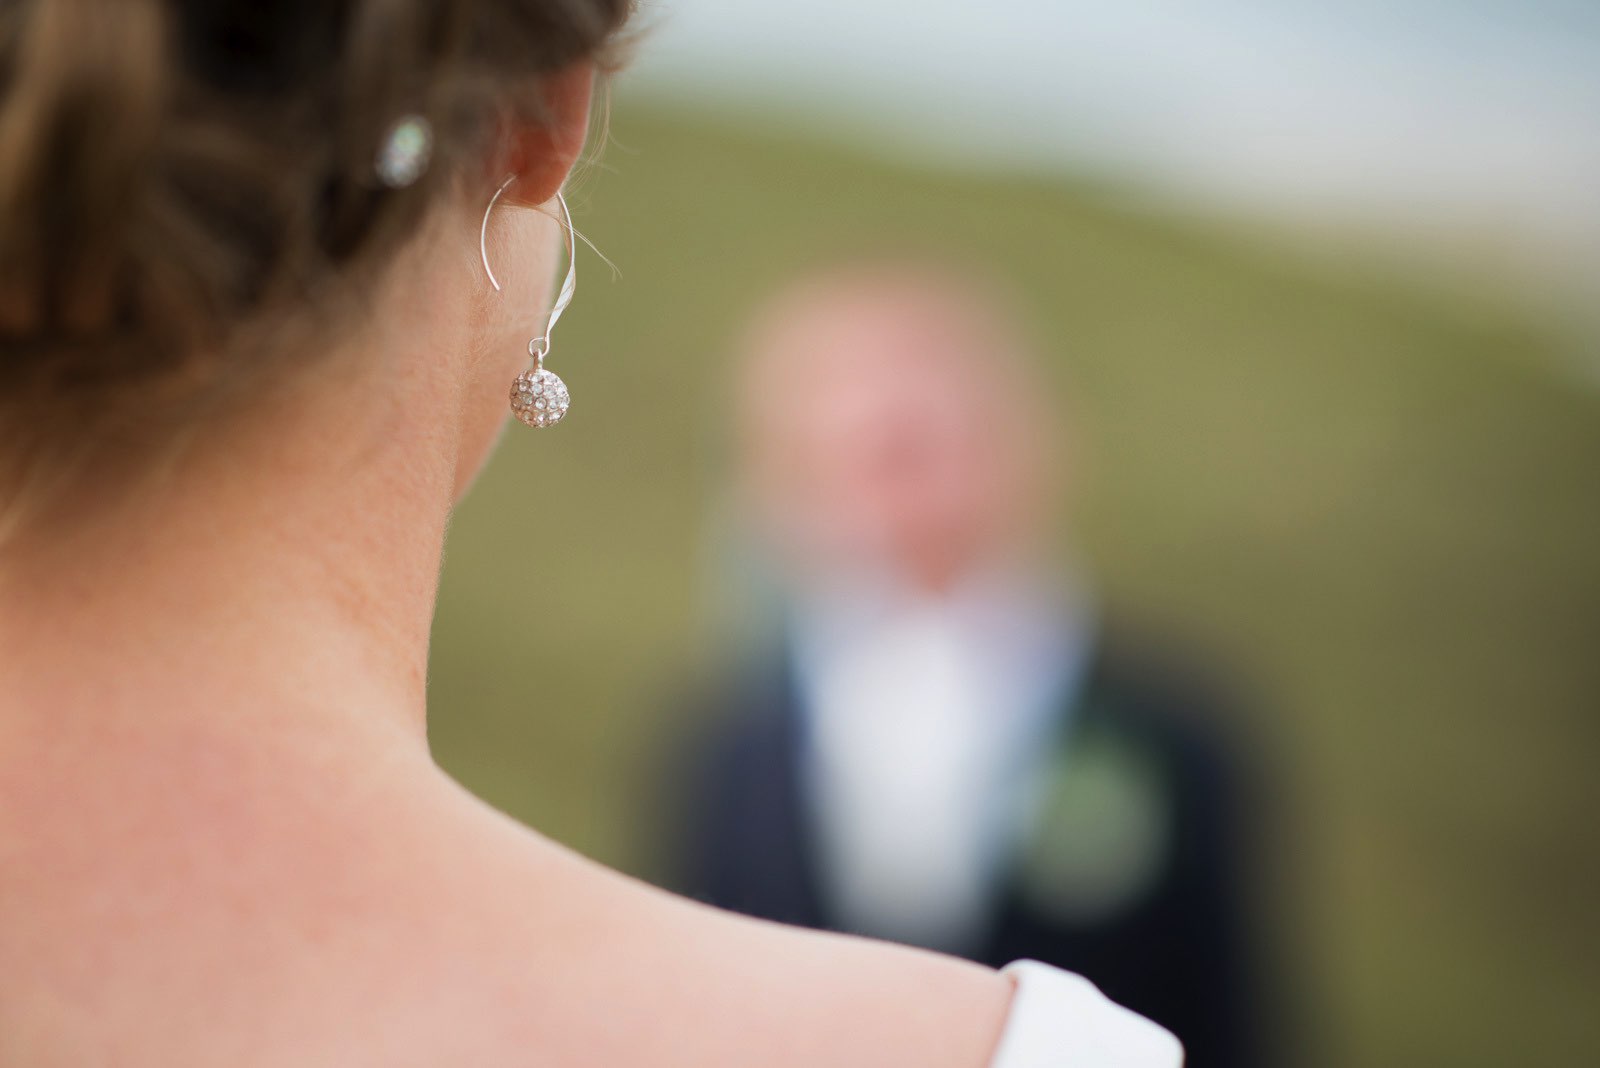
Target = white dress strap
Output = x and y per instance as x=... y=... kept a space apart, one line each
x=1061 y=1020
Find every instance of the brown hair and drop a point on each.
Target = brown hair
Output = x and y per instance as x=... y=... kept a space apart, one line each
x=174 y=171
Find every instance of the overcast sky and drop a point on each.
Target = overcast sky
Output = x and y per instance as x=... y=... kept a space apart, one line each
x=1483 y=113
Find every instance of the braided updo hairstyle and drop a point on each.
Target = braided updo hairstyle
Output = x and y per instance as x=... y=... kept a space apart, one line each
x=175 y=173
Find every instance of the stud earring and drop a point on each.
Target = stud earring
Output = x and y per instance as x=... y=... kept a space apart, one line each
x=538 y=397
x=405 y=153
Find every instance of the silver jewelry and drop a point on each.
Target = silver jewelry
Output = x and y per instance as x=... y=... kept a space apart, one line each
x=538 y=397
x=405 y=152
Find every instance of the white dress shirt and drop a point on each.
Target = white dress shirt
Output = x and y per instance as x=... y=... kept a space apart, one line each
x=929 y=723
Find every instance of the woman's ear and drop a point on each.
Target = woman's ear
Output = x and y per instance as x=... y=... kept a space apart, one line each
x=542 y=153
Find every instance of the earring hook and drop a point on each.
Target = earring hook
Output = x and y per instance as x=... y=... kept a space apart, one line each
x=483 y=232
x=538 y=347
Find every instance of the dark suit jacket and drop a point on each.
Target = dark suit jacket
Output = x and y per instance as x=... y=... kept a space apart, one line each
x=1135 y=880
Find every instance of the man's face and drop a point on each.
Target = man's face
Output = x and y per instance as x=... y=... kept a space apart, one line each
x=890 y=428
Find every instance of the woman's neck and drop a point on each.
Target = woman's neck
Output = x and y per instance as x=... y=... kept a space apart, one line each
x=284 y=572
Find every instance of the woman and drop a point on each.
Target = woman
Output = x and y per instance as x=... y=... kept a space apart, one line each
x=250 y=361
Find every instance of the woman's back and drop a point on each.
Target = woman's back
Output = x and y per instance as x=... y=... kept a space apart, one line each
x=372 y=913
x=338 y=901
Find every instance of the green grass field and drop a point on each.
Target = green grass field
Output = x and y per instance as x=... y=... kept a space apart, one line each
x=1379 y=505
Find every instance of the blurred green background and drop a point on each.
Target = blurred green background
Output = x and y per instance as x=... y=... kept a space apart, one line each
x=1377 y=501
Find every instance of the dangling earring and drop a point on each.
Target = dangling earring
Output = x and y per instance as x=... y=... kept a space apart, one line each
x=538 y=397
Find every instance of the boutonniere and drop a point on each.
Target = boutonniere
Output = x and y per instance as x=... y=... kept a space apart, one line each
x=1102 y=833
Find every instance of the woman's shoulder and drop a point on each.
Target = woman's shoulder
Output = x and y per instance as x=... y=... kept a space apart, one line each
x=823 y=998
x=573 y=963
x=700 y=986
x=552 y=959
x=745 y=991
x=1059 y=1020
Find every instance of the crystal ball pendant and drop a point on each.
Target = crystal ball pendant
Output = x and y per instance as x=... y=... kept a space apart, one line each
x=539 y=397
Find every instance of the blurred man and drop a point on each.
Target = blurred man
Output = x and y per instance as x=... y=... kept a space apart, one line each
x=950 y=749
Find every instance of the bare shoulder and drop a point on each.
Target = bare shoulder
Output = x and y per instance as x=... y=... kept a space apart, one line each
x=632 y=975
x=397 y=925
x=831 y=999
